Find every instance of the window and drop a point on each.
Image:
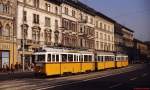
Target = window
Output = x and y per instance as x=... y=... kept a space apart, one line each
x=102 y=46
x=7 y=30
x=1 y=28
x=86 y=58
x=36 y=3
x=56 y=24
x=86 y=17
x=97 y=44
x=104 y=26
x=101 y=25
x=53 y=58
x=97 y=35
x=66 y=10
x=81 y=58
x=24 y=15
x=108 y=37
x=57 y=58
x=81 y=16
x=91 y=21
x=34 y=35
x=47 y=7
x=96 y=23
x=64 y=57
x=56 y=10
x=41 y=58
x=48 y=36
x=35 y=19
x=105 y=37
x=47 y=22
x=73 y=13
x=70 y=57
x=101 y=36
x=49 y=58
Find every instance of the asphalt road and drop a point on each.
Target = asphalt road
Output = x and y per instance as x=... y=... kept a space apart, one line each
x=135 y=80
x=134 y=77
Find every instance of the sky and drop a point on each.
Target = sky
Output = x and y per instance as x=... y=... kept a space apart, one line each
x=134 y=14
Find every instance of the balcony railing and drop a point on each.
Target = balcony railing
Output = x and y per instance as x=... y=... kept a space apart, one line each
x=7 y=38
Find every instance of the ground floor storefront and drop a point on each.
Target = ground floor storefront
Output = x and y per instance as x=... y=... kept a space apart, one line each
x=7 y=55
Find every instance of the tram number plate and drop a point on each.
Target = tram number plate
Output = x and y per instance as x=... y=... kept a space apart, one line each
x=40 y=65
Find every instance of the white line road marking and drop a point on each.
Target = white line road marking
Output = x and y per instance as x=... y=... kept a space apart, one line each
x=132 y=79
x=116 y=85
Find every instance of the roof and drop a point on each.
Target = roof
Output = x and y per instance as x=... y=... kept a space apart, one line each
x=105 y=17
x=127 y=28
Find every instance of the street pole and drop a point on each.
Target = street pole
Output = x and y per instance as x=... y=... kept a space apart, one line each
x=23 y=56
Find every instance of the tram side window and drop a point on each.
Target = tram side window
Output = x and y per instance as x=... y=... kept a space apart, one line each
x=70 y=57
x=64 y=58
x=75 y=58
x=85 y=58
x=90 y=58
x=49 y=58
x=106 y=58
x=57 y=58
x=41 y=58
x=98 y=58
x=102 y=58
x=81 y=58
x=53 y=58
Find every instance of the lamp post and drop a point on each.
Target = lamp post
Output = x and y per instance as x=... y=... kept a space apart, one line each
x=24 y=29
x=56 y=37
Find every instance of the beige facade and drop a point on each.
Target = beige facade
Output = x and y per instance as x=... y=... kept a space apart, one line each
x=128 y=37
x=8 y=50
x=78 y=28
x=42 y=20
x=104 y=34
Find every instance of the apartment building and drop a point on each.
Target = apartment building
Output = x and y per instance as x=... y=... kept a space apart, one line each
x=104 y=33
x=128 y=37
x=8 y=48
x=38 y=25
x=78 y=25
x=119 y=44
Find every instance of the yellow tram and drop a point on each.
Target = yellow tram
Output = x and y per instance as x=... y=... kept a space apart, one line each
x=105 y=61
x=56 y=62
x=121 y=60
x=62 y=61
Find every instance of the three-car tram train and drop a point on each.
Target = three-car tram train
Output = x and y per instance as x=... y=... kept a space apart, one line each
x=59 y=61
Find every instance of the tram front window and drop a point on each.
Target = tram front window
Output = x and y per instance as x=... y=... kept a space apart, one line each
x=41 y=58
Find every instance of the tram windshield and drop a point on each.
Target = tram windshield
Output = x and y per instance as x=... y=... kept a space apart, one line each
x=40 y=57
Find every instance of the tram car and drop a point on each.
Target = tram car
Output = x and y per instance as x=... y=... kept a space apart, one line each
x=105 y=61
x=121 y=60
x=62 y=61
x=58 y=62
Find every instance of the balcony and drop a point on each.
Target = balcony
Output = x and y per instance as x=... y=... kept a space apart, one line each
x=48 y=43
x=7 y=39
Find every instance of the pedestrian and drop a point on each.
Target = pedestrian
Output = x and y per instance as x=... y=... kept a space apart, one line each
x=12 y=68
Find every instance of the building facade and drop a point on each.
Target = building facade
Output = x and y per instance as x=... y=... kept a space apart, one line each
x=8 y=50
x=119 y=43
x=38 y=25
x=141 y=51
x=78 y=25
x=128 y=37
x=104 y=33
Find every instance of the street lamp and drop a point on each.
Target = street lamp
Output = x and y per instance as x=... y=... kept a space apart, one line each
x=56 y=37
x=24 y=28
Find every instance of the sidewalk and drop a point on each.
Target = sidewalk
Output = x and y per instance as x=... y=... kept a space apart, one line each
x=16 y=75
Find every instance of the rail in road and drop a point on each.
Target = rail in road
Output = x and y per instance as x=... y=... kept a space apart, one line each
x=50 y=83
